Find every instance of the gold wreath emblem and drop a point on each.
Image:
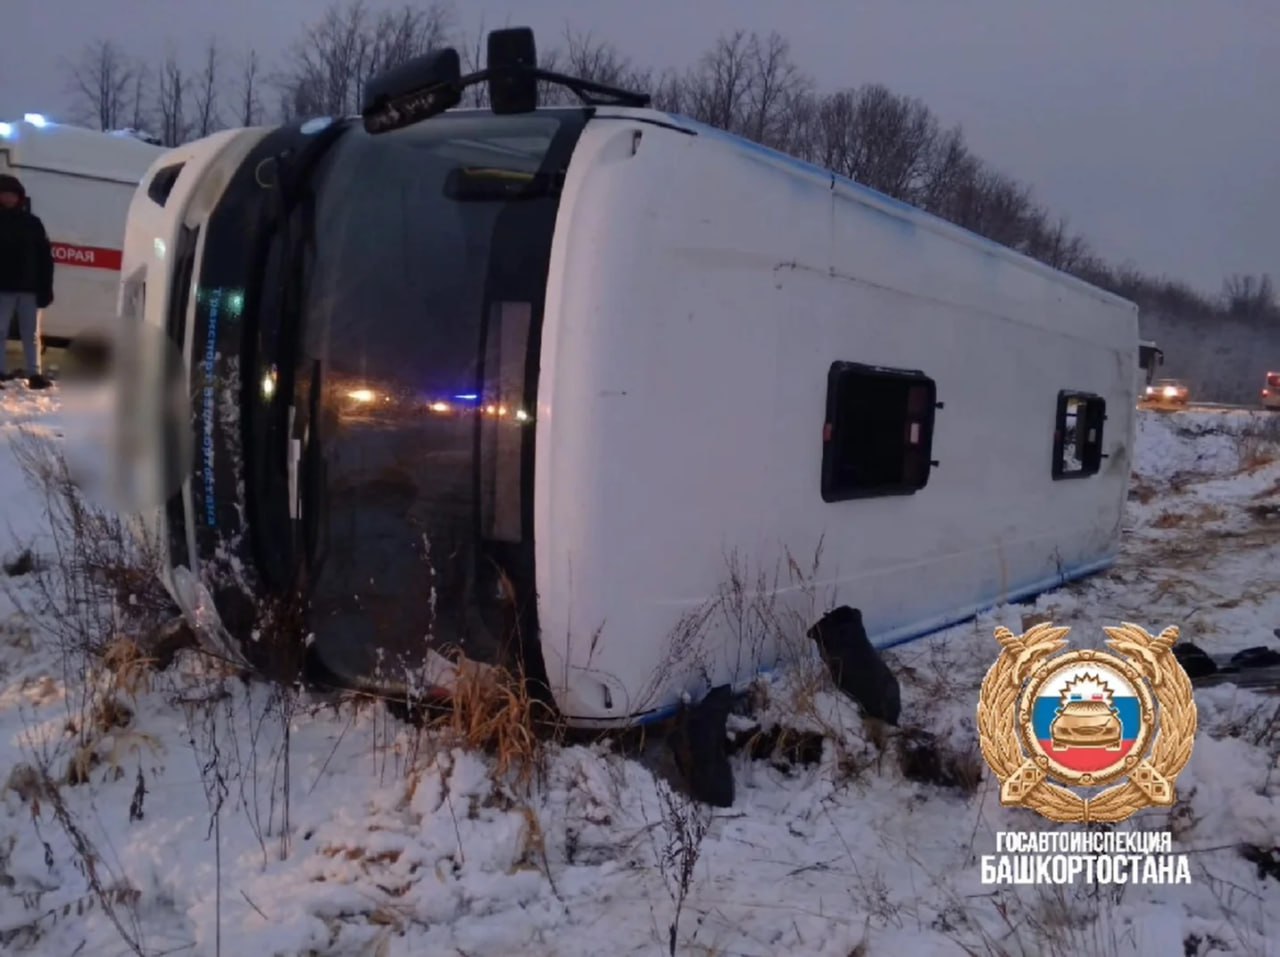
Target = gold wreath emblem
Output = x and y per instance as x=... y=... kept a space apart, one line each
x=1027 y=772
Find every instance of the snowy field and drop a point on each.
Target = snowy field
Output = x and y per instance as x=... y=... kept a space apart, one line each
x=186 y=822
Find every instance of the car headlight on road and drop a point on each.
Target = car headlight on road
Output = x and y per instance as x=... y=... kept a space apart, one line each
x=1170 y=392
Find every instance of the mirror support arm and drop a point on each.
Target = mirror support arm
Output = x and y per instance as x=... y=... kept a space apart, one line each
x=433 y=100
x=588 y=91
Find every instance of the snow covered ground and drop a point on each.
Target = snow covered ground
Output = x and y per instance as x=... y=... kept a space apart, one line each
x=195 y=830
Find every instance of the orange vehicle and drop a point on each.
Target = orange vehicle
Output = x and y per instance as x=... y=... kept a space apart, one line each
x=1166 y=394
x=1271 y=391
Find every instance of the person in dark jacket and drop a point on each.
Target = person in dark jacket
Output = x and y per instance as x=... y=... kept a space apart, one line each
x=26 y=276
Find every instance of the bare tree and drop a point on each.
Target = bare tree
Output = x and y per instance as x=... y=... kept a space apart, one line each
x=897 y=143
x=995 y=206
x=950 y=166
x=102 y=77
x=1093 y=270
x=584 y=56
x=669 y=92
x=1054 y=244
x=250 y=100
x=396 y=36
x=775 y=91
x=473 y=58
x=884 y=141
x=172 y=90
x=717 y=88
x=599 y=61
x=830 y=129
x=749 y=85
x=337 y=55
x=138 y=98
x=325 y=60
x=205 y=92
x=1249 y=297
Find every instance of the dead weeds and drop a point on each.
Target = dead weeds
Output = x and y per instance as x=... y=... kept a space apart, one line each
x=494 y=712
x=925 y=758
x=1263 y=511
x=1259 y=446
x=488 y=710
x=1198 y=515
x=1141 y=491
x=1271 y=490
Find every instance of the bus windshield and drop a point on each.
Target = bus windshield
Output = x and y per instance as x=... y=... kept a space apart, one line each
x=421 y=301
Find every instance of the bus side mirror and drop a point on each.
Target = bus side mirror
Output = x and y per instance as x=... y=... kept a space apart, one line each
x=415 y=90
x=512 y=67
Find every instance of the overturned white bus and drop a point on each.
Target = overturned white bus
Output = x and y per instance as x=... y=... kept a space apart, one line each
x=523 y=379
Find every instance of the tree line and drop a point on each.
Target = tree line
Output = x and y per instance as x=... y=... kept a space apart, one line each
x=746 y=83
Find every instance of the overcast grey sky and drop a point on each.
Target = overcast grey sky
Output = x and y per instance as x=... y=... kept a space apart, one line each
x=1152 y=124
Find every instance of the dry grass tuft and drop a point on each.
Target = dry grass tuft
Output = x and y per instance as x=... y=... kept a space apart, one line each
x=1258 y=445
x=1141 y=491
x=130 y=669
x=101 y=579
x=110 y=714
x=1255 y=455
x=533 y=843
x=1270 y=491
x=491 y=710
x=928 y=759
x=1264 y=511
x=1039 y=921
x=1200 y=515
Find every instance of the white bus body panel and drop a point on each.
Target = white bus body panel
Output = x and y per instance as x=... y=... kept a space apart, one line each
x=153 y=231
x=81 y=183
x=700 y=289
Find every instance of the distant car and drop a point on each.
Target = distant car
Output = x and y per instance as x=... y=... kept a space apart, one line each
x=1166 y=394
x=1271 y=391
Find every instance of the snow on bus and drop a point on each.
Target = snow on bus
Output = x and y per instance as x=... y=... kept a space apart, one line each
x=548 y=372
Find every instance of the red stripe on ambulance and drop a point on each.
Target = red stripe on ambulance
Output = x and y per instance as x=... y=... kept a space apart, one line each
x=90 y=257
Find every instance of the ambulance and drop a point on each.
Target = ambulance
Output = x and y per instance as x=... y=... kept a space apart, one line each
x=80 y=183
